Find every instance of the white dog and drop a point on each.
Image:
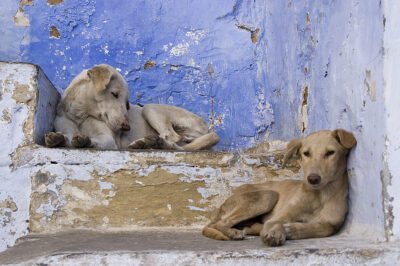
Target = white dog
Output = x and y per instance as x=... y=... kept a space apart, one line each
x=94 y=112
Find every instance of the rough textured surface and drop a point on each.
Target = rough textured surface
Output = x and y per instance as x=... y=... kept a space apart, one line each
x=19 y=102
x=391 y=172
x=311 y=65
x=110 y=189
x=201 y=55
x=170 y=247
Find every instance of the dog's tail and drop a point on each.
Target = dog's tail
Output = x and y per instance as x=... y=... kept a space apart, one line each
x=214 y=233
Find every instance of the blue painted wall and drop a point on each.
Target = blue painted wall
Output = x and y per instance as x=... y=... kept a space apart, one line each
x=203 y=55
x=293 y=77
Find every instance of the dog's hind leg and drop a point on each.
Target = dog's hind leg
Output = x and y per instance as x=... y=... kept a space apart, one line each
x=153 y=142
x=239 y=208
x=161 y=123
x=202 y=143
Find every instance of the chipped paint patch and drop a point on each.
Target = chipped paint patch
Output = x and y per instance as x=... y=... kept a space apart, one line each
x=253 y=32
x=370 y=85
x=22 y=93
x=20 y=19
x=304 y=110
x=180 y=49
x=149 y=64
x=387 y=199
x=54 y=2
x=196 y=35
x=6 y=116
x=54 y=33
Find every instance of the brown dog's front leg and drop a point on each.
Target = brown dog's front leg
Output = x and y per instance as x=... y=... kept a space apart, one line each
x=308 y=230
x=273 y=234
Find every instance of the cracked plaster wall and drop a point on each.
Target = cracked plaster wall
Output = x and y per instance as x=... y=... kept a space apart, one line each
x=311 y=65
x=391 y=172
x=201 y=55
x=17 y=104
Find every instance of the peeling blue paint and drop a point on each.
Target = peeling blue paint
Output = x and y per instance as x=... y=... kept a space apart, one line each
x=203 y=61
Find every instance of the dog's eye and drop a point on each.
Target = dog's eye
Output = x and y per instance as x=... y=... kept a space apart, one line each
x=127 y=105
x=306 y=153
x=115 y=94
x=329 y=153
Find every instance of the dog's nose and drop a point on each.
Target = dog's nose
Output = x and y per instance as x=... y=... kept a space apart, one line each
x=125 y=126
x=314 y=179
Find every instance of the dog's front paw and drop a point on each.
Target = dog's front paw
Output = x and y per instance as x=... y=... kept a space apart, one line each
x=290 y=231
x=274 y=236
x=81 y=141
x=55 y=139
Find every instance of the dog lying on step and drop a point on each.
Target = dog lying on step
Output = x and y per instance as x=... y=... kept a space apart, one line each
x=94 y=112
x=292 y=209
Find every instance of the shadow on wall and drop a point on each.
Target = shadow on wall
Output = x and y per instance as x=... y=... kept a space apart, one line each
x=204 y=56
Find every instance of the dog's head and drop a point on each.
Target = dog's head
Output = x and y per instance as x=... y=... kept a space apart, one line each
x=323 y=155
x=110 y=91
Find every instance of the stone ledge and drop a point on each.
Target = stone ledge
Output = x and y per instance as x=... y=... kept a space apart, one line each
x=94 y=189
x=189 y=247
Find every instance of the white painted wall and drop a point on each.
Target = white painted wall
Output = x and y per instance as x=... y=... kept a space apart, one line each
x=15 y=184
x=391 y=75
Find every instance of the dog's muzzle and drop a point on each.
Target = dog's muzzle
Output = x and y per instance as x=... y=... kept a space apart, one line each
x=314 y=179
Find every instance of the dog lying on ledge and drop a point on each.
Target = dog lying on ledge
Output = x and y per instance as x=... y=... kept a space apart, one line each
x=94 y=112
x=292 y=209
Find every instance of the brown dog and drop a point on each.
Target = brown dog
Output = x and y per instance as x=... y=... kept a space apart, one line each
x=292 y=209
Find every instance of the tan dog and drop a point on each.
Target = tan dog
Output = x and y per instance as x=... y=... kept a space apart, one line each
x=292 y=209
x=94 y=112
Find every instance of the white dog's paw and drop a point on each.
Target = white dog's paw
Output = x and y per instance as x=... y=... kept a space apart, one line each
x=55 y=139
x=81 y=141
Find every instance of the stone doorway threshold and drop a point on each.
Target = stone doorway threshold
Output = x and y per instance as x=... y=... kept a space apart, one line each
x=189 y=247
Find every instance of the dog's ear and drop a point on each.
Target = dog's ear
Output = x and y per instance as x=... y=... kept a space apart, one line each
x=292 y=148
x=345 y=138
x=100 y=75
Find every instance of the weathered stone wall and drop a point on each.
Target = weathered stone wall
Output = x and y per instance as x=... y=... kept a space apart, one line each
x=125 y=190
x=256 y=70
x=20 y=101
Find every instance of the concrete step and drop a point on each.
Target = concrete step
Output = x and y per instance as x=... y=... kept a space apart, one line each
x=91 y=189
x=189 y=247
